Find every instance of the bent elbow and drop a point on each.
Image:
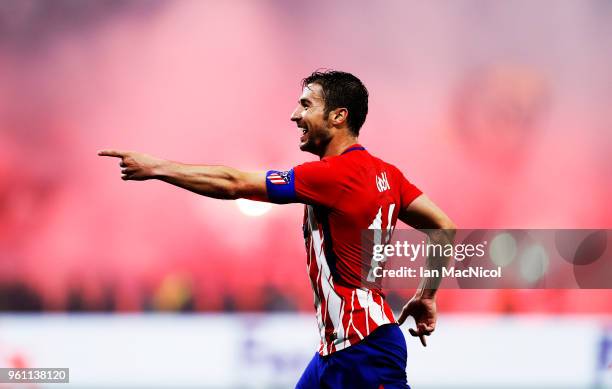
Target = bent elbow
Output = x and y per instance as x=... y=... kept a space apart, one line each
x=449 y=227
x=444 y=230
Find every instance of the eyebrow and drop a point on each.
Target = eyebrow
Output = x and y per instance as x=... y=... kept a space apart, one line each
x=305 y=102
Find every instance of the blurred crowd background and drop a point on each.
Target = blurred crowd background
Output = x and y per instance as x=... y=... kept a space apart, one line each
x=499 y=111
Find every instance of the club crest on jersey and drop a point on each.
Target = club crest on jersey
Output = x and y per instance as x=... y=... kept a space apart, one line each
x=382 y=183
x=279 y=178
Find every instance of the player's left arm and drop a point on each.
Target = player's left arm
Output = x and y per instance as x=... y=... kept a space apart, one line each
x=423 y=214
x=219 y=182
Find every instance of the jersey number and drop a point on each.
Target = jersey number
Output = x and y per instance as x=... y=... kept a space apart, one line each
x=381 y=237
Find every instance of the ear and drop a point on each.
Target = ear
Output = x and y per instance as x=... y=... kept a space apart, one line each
x=338 y=116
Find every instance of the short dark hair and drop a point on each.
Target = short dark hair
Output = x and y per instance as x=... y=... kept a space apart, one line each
x=342 y=90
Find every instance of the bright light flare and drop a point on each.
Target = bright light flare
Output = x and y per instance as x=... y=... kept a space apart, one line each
x=253 y=208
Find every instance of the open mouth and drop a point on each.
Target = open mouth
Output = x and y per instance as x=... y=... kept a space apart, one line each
x=304 y=131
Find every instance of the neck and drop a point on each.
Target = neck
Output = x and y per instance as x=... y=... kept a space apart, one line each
x=338 y=144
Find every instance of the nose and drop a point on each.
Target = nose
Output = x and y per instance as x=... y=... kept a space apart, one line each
x=296 y=115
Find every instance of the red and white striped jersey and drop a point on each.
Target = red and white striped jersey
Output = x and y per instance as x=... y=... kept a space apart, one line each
x=344 y=196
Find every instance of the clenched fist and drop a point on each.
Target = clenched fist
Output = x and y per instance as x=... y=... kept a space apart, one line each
x=135 y=166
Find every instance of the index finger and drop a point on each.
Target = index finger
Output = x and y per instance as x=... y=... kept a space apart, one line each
x=420 y=335
x=111 y=153
x=423 y=341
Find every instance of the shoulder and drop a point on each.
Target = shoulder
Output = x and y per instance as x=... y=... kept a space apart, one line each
x=386 y=166
x=316 y=174
x=328 y=165
x=313 y=167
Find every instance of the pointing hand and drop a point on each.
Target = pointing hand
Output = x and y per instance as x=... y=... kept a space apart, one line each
x=134 y=166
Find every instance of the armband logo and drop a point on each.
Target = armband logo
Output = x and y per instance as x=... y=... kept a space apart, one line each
x=279 y=178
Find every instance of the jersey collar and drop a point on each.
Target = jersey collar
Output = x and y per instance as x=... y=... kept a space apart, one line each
x=353 y=148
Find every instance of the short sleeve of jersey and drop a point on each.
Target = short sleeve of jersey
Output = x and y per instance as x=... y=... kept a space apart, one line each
x=317 y=183
x=408 y=192
x=310 y=183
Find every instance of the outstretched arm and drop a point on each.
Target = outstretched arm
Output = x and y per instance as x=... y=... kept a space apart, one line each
x=424 y=215
x=220 y=182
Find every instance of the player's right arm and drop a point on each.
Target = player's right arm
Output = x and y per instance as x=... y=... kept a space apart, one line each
x=219 y=182
x=309 y=183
